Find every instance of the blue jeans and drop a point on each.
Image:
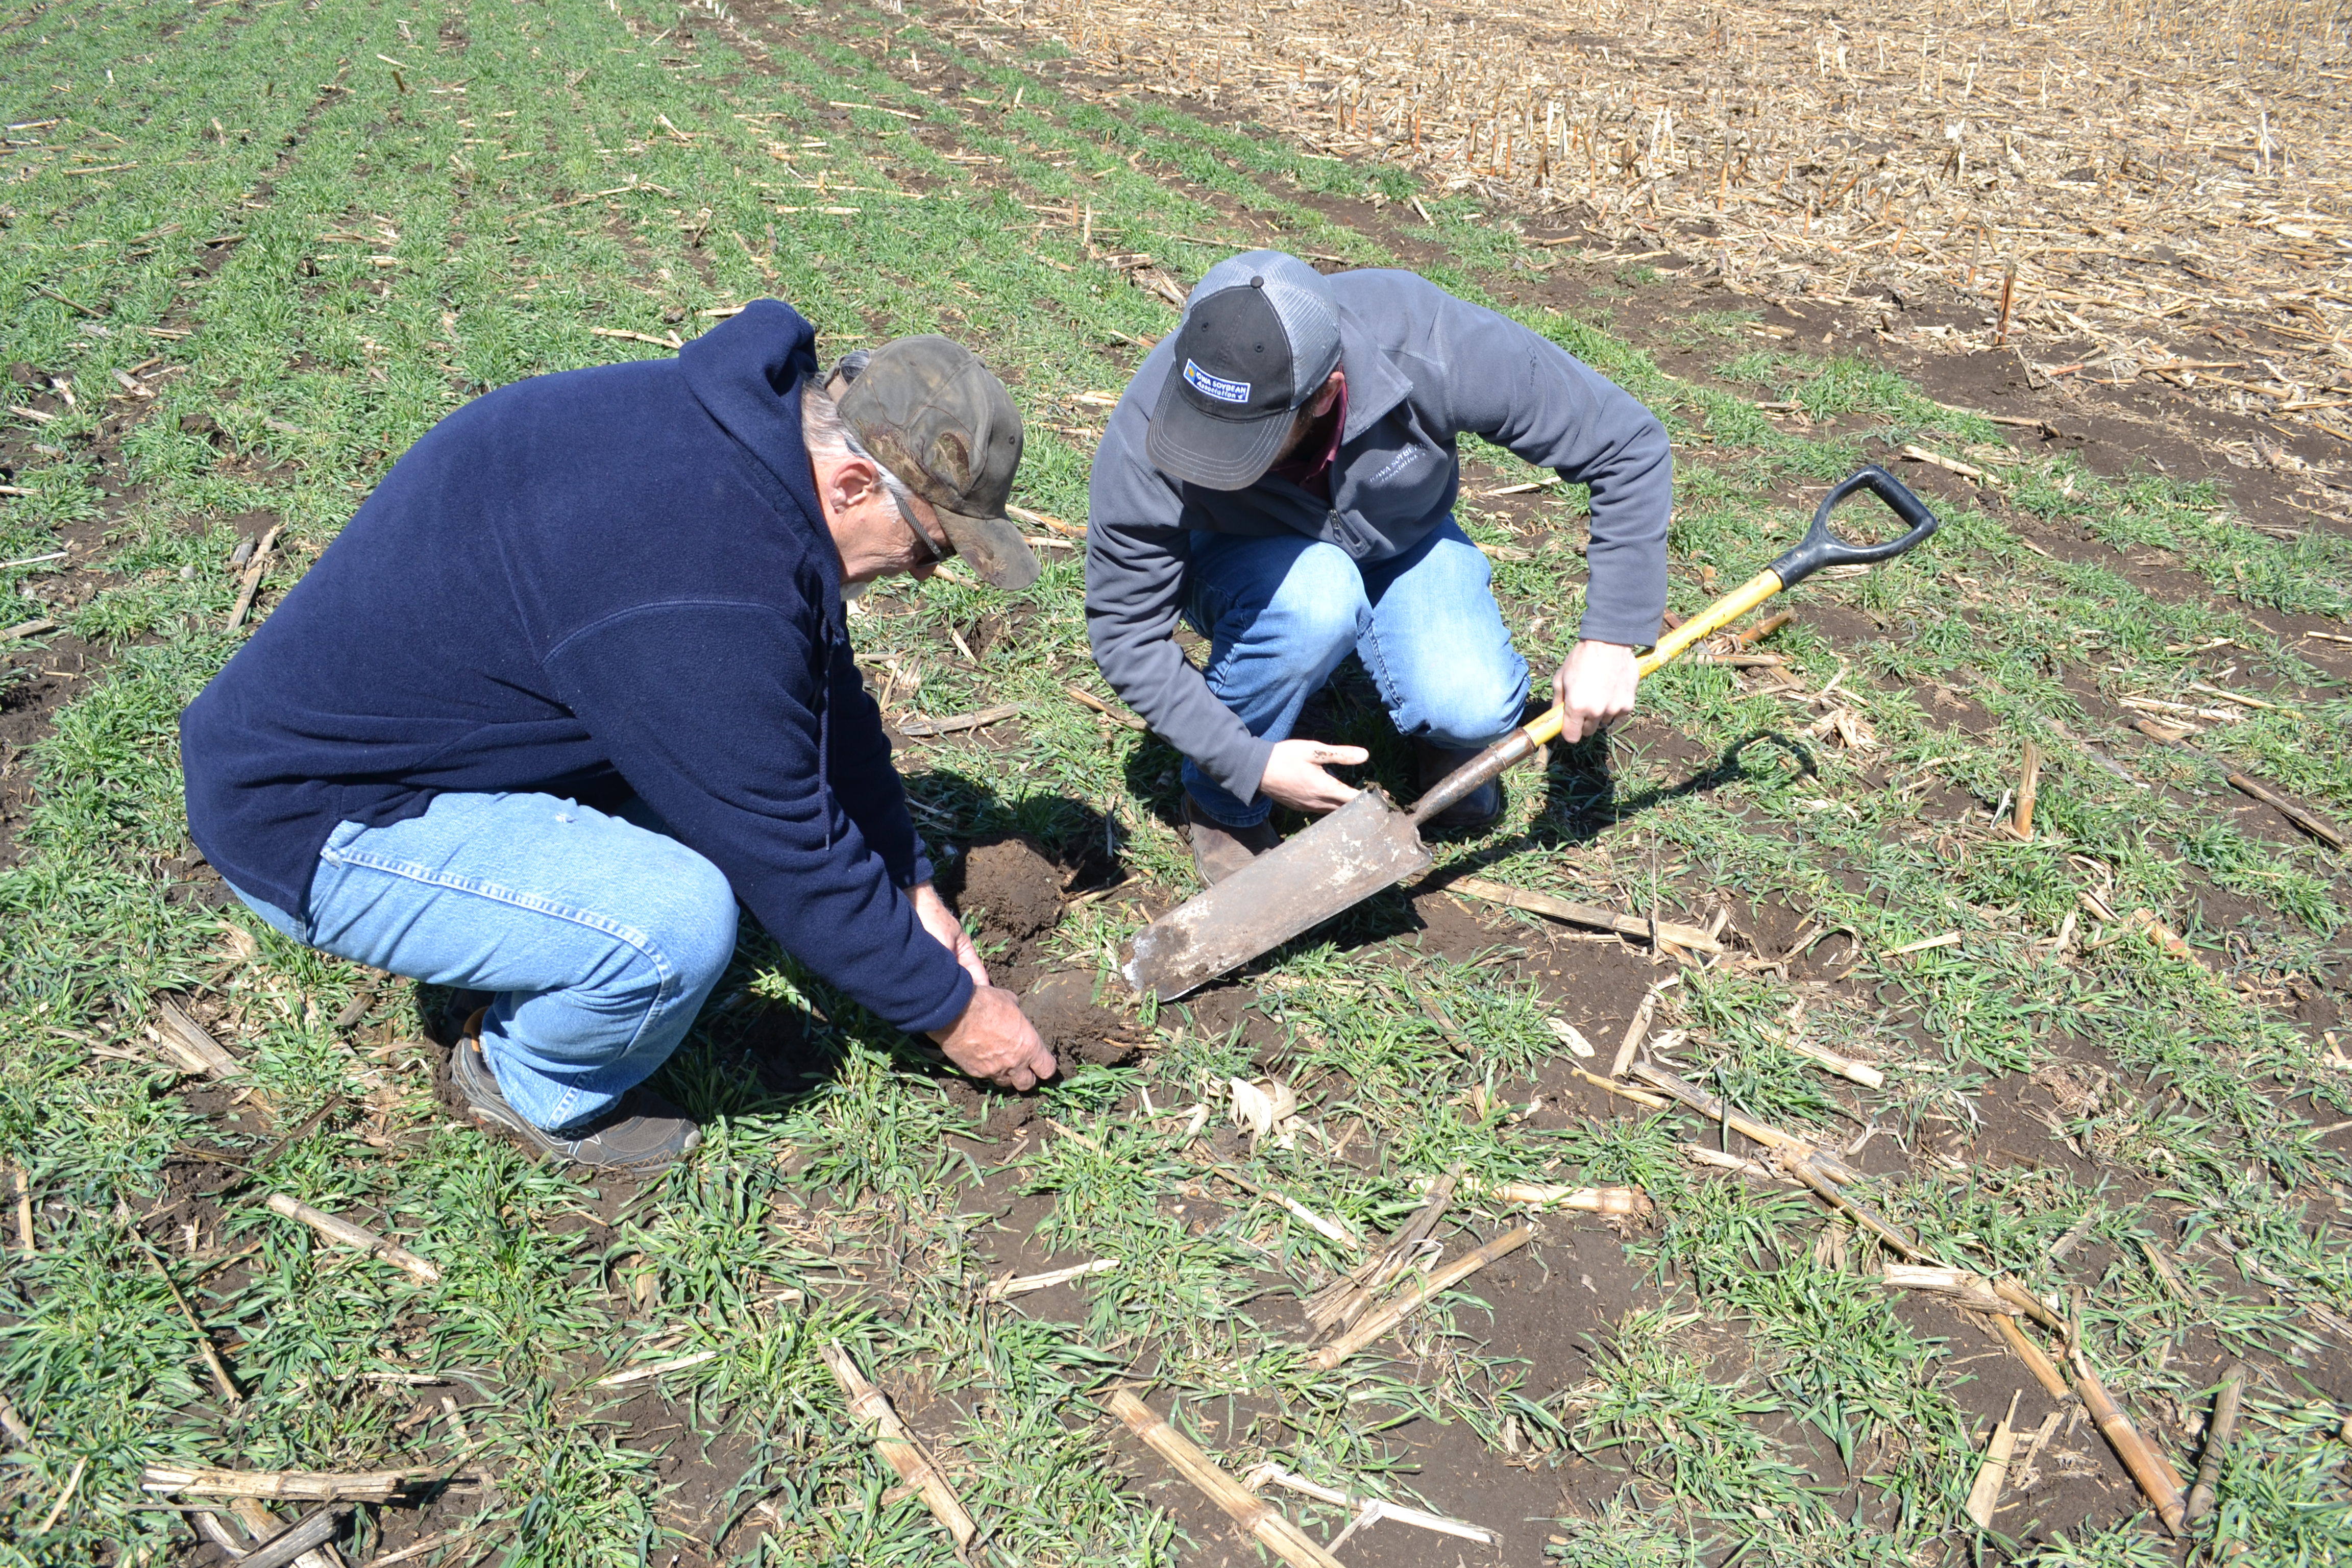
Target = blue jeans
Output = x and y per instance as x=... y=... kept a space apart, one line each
x=1281 y=612
x=600 y=937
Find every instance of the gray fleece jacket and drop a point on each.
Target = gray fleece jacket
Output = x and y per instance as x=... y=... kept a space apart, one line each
x=1421 y=367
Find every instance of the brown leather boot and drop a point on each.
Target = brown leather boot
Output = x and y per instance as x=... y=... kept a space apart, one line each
x=1219 y=851
x=1479 y=808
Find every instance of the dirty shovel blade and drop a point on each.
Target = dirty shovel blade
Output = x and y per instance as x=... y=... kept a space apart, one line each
x=1363 y=847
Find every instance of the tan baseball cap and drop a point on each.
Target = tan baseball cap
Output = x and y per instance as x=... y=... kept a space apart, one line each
x=934 y=415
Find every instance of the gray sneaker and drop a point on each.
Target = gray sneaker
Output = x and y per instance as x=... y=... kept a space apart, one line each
x=636 y=1137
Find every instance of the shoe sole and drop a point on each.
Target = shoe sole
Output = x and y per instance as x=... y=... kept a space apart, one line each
x=499 y=1116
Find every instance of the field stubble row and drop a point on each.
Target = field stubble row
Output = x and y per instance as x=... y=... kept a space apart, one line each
x=2113 y=189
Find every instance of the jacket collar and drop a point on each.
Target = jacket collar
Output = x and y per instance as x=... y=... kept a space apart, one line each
x=1374 y=385
x=747 y=372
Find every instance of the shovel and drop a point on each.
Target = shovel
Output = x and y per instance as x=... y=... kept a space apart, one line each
x=1369 y=844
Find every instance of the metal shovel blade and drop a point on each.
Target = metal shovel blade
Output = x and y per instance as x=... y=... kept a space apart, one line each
x=1353 y=853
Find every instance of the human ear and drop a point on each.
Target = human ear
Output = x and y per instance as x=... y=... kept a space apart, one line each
x=855 y=483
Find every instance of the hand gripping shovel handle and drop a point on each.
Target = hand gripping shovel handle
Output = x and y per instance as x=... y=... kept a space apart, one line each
x=1818 y=549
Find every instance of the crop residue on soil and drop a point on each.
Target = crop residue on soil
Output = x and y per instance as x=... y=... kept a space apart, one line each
x=1805 y=150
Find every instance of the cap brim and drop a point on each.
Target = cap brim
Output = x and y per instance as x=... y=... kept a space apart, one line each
x=993 y=547
x=1218 y=454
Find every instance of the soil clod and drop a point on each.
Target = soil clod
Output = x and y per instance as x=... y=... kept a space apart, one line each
x=1015 y=886
x=1067 y=1017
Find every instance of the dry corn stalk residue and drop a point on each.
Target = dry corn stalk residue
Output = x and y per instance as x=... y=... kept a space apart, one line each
x=2124 y=187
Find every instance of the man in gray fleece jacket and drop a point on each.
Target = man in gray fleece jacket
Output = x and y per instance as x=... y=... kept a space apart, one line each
x=1281 y=474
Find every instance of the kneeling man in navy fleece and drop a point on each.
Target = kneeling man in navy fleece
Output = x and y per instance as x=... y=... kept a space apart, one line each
x=575 y=680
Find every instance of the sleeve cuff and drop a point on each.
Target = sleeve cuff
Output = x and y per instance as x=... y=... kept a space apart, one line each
x=1630 y=631
x=1243 y=773
x=959 y=998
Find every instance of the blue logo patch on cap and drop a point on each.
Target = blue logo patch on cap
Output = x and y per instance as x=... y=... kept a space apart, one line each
x=1208 y=385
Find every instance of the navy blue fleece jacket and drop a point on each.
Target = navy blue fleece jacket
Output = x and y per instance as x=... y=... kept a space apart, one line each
x=586 y=583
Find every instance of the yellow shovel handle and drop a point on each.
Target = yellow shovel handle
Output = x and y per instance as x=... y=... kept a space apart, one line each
x=1818 y=549
x=1712 y=619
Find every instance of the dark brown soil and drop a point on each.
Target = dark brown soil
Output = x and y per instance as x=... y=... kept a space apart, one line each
x=1067 y=1017
x=1013 y=885
x=1547 y=1301
x=37 y=678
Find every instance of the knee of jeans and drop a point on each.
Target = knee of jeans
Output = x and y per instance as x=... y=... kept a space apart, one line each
x=1318 y=611
x=1477 y=706
x=675 y=944
x=699 y=938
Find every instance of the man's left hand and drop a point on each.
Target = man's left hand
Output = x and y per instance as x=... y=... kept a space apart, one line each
x=1594 y=688
x=942 y=922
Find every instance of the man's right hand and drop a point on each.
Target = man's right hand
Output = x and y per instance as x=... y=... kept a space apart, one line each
x=1293 y=775
x=994 y=1041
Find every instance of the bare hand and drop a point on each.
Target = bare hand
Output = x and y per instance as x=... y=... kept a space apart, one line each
x=994 y=1041
x=1594 y=688
x=1293 y=775
x=940 y=921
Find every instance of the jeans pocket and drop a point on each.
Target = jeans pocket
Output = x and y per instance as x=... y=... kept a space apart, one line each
x=345 y=835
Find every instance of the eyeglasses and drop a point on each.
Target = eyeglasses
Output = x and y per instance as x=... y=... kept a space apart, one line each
x=933 y=554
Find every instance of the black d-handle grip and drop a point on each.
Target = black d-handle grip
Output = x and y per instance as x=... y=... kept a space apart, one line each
x=1821 y=548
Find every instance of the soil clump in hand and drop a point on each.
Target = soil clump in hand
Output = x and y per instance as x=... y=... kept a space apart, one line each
x=1063 y=1009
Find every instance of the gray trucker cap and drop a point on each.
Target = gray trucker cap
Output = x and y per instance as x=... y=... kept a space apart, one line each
x=1260 y=335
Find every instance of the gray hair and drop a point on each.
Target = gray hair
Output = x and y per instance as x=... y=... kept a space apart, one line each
x=826 y=435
